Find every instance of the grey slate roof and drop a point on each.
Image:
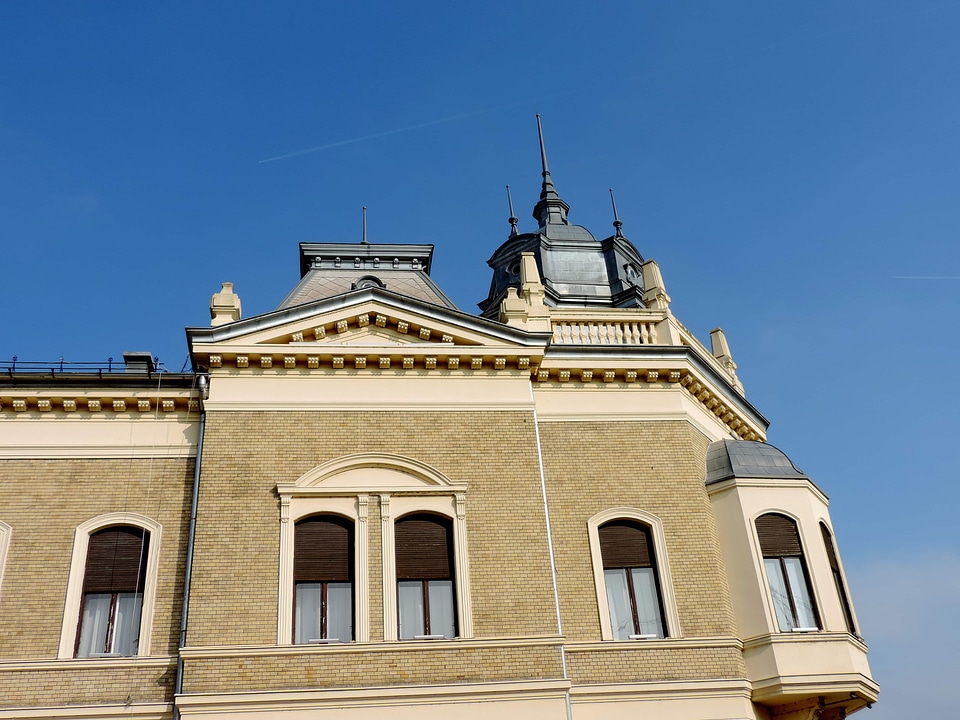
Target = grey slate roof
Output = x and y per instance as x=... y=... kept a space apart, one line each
x=748 y=459
x=326 y=282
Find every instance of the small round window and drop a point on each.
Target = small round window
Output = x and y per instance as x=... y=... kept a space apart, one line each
x=367 y=281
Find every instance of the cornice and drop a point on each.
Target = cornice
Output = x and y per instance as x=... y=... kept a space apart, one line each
x=80 y=401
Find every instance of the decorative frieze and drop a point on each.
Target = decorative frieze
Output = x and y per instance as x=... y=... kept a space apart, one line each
x=266 y=361
x=499 y=363
x=337 y=361
x=476 y=363
x=402 y=327
x=424 y=333
x=543 y=375
x=609 y=375
x=297 y=337
x=69 y=405
x=289 y=361
x=313 y=362
x=385 y=363
x=523 y=363
x=119 y=405
x=630 y=376
x=243 y=361
x=20 y=405
x=586 y=375
x=363 y=320
x=381 y=320
x=320 y=332
x=216 y=361
x=143 y=405
x=563 y=375
x=92 y=405
x=453 y=363
x=446 y=338
x=43 y=405
x=342 y=326
x=168 y=405
x=430 y=362
x=360 y=362
x=407 y=362
x=652 y=376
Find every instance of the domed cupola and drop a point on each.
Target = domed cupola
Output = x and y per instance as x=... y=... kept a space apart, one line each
x=576 y=269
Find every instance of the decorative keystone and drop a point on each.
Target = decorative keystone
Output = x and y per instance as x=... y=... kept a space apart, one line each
x=168 y=405
x=266 y=361
x=385 y=363
x=453 y=363
x=216 y=361
x=360 y=362
x=381 y=320
x=430 y=362
x=143 y=405
x=43 y=405
x=313 y=362
x=338 y=362
x=92 y=405
x=289 y=361
x=407 y=363
x=69 y=405
x=402 y=327
x=609 y=376
x=119 y=405
x=224 y=306
x=243 y=361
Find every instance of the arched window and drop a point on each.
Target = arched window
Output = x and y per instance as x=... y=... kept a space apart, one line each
x=837 y=577
x=113 y=584
x=631 y=580
x=425 y=577
x=323 y=579
x=786 y=573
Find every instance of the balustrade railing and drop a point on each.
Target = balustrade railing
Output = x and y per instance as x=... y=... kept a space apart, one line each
x=575 y=332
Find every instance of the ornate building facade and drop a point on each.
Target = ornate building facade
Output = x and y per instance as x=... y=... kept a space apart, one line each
x=370 y=503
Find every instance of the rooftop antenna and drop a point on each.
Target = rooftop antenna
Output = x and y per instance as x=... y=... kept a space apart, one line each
x=363 y=241
x=617 y=223
x=513 y=216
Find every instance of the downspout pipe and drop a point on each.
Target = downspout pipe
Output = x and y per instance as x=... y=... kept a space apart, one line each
x=189 y=569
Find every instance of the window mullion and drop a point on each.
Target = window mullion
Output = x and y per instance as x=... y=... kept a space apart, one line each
x=786 y=582
x=426 y=607
x=111 y=622
x=637 y=630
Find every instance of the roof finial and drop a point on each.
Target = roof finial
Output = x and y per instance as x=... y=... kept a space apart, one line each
x=616 y=218
x=363 y=240
x=551 y=210
x=513 y=218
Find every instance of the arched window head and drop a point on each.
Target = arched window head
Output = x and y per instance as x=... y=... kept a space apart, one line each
x=425 y=577
x=323 y=580
x=837 y=577
x=786 y=573
x=113 y=585
x=632 y=581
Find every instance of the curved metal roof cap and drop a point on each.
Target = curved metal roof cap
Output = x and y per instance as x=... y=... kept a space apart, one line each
x=748 y=459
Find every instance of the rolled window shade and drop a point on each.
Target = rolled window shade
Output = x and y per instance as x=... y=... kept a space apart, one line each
x=323 y=549
x=778 y=536
x=625 y=544
x=116 y=560
x=423 y=548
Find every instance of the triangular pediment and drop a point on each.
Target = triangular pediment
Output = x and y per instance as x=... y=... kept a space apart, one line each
x=370 y=321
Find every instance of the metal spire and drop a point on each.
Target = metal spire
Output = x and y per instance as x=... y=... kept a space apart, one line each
x=363 y=240
x=551 y=210
x=616 y=218
x=513 y=218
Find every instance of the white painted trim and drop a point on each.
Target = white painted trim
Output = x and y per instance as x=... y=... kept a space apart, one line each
x=659 y=644
x=78 y=561
x=384 y=697
x=138 y=711
x=672 y=619
x=126 y=452
x=663 y=690
x=127 y=663
x=368 y=404
x=6 y=534
x=426 y=474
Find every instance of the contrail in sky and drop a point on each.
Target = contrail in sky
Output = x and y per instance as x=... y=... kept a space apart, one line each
x=450 y=118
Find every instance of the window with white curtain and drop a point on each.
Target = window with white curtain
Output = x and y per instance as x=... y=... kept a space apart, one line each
x=631 y=580
x=426 y=605
x=112 y=601
x=786 y=573
x=323 y=579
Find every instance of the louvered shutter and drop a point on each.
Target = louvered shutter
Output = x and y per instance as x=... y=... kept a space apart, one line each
x=323 y=549
x=778 y=536
x=423 y=548
x=116 y=561
x=625 y=544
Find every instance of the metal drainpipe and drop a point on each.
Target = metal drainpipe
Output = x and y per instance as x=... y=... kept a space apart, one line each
x=553 y=563
x=186 y=580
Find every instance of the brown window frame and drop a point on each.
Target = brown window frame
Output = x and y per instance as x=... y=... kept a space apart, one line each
x=350 y=526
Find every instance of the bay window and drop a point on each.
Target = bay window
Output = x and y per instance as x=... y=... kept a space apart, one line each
x=786 y=573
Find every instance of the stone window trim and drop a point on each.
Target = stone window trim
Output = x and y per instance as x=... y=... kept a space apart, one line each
x=6 y=534
x=671 y=616
x=78 y=561
x=346 y=486
x=806 y=546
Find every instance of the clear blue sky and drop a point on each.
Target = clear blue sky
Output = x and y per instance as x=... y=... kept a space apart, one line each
x=787 y=164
